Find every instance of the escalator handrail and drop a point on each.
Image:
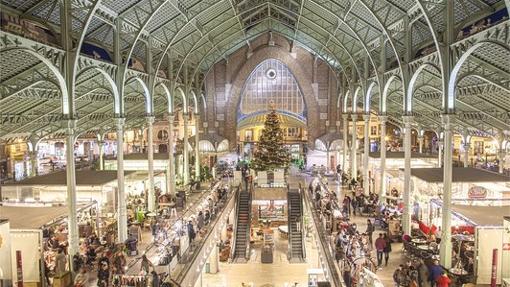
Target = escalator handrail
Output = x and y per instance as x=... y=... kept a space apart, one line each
x=234 y=229
x=248 y=228
x=302 y=222
x=334 y=277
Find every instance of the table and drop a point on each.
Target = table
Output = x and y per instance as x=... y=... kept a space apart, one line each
x=419 y=241
x=423 y=247
x=283 y=230
x=458 y=272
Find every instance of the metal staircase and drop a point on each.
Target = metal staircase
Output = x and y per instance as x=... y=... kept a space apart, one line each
x=296 y=251
x=241 y=246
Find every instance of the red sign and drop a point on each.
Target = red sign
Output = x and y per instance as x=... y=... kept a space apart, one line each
x=506 y=246
x=494 y=274
x=19 y=268
x=477 y=192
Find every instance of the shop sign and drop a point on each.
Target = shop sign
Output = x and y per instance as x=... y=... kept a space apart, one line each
x=477 y=192
x=19 y=268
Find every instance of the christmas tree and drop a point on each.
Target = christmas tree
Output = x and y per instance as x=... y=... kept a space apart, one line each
x=271 y=154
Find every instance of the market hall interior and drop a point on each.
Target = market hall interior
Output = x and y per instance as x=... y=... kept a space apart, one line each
x=254 y=143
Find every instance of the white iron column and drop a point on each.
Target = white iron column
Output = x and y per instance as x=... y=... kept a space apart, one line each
x=171 y=159
x=366 y=148
x=420 y=143
x=466 y=154
x=121 y=196
x=101 y=145
x=446 y=236
x=382 y=191
x=33 y=162
x=214 y=260
x=197 y=151
x=185 y=152
x=354 y=165
x=406 y=216
x=501 y=158
x=73 y=238
x=151 y=204
x=345 y=124
x=440 y=153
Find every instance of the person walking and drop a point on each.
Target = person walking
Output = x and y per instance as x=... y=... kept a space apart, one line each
x=423 y=274
x=369 y=231
x=103 y=275
x=346 y=274
x=380 y=244
x=399 y=276
x=443 y=280
x=434 y=272
x=387 y=248
x=145 y=265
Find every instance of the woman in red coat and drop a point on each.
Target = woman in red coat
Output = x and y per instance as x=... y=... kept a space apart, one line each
x=443 y=280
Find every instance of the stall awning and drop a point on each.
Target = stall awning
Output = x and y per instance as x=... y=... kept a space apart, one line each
x=483 y=215
x=25 y=217
x=83 y=177
x=398 y=154
x=143 y=156
x=459 y=174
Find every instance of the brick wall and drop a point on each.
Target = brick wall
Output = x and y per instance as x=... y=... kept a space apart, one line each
x=225 y=81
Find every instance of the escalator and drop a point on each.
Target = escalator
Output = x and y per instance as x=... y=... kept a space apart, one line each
x=296 y=252
x=242 y=229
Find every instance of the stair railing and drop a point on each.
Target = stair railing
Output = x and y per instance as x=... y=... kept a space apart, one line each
x=302 y=221
x=248 y=227
x=234 y=230
x=289 y=226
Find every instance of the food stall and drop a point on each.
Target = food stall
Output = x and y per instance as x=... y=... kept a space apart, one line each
x=91 y=185
x=5 y=253
x=479 y=203
x=470 y=186
x=477 y=230
x=395 y=161
x=27 y=228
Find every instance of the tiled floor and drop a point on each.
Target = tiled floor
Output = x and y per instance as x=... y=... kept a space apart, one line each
x=397 y=257
x=282 y=273
x=256 y=274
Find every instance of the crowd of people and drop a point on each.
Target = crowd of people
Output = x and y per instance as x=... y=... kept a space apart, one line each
x=357 y=249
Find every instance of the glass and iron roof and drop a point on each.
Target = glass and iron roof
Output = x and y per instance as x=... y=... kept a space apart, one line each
x=178 y=37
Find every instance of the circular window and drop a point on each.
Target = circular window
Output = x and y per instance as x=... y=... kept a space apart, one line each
x=271 y=74
x=162 y=135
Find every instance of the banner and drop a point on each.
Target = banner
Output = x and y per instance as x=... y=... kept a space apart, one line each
x=19 y=269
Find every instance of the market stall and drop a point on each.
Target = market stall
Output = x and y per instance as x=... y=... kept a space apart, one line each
x=40 y=233
x=91 y=185
x=477 y=231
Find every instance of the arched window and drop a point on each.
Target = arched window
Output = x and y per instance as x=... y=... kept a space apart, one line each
x=162 y=135
x=271 y=82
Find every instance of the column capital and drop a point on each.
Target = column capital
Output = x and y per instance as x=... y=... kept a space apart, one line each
x=466 y=145
x=383 y=118
x=345 y=116
x=150 y=119
x=407 y=120
x=354 y=117
x=366 y=117
x=446 y=120
x=119 y=121
x=69 y=126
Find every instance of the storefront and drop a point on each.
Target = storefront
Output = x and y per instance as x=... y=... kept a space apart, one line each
x=395 y=161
